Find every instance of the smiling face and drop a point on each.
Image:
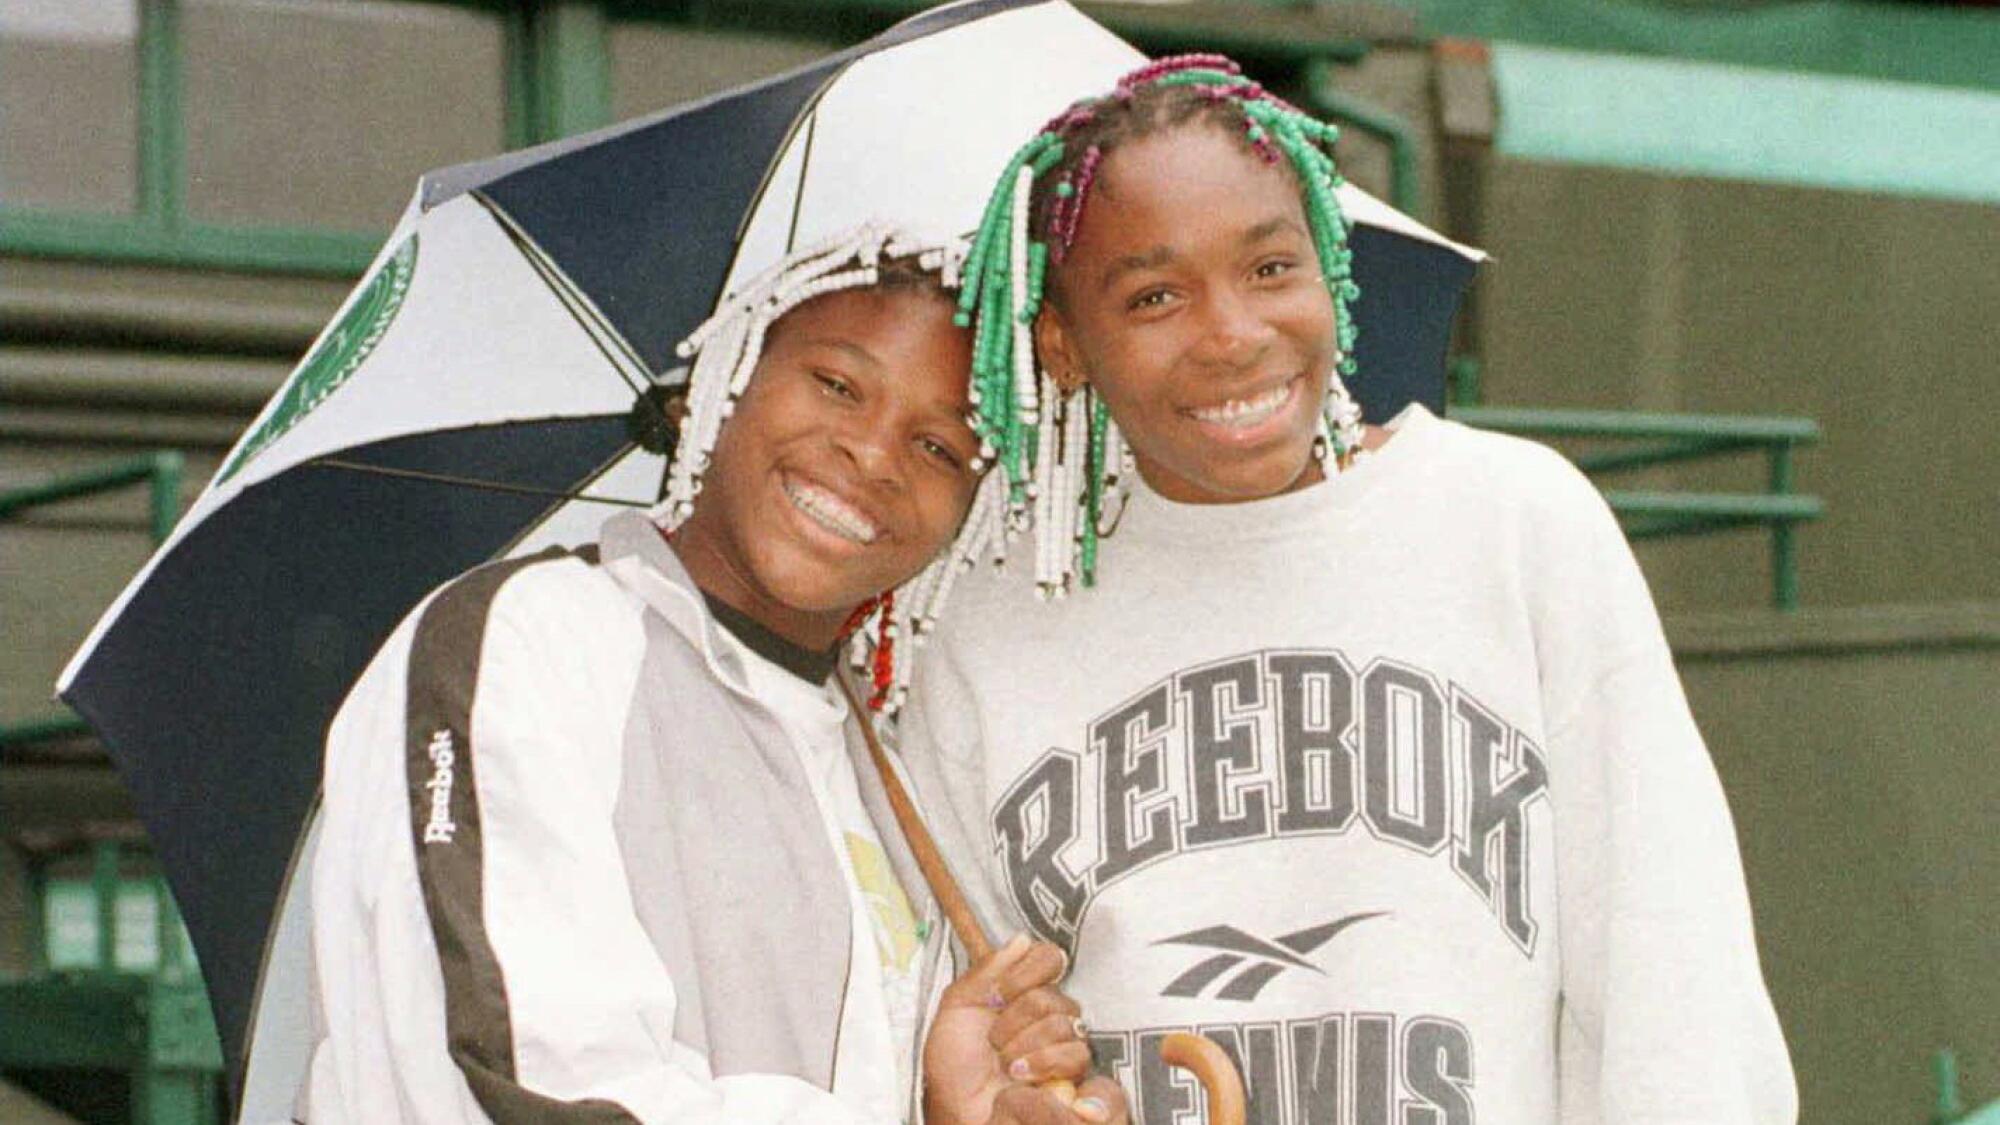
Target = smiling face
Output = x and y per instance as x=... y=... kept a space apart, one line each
x=845 y=467
x=1192 y=301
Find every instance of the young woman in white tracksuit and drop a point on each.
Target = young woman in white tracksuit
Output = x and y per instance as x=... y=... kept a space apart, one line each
x=596 y=843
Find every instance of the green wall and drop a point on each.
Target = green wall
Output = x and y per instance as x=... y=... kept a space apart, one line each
x=1857 y=749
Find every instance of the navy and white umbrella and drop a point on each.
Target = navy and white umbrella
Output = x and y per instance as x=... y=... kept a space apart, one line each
x=484 y=375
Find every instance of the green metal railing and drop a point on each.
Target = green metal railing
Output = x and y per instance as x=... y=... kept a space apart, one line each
x=557 y=79
x=1666 y=439
x=1950 y=1108
x=160 y=230
x=542 y=44
x=113 y=984
x=1342 y=108
x=162 y=474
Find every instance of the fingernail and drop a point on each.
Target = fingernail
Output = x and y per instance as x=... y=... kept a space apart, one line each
x=1066 y=962
x=1091 y=1109
x=1019 y=1069
x=1081 y=1028
x=1016 y=943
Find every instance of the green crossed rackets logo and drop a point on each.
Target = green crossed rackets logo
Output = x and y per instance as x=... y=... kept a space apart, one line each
x=338 y=355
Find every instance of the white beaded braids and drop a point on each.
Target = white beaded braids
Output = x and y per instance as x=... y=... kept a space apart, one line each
x=725 y=350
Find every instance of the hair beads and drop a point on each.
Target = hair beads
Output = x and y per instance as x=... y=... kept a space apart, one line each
x=726 y=349
x=1060 y=452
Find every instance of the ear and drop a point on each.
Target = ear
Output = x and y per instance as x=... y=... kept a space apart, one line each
x=1057 y=349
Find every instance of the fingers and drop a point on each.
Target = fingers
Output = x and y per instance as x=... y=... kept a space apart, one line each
x=1069 y=1060
x=982 y=985
x=1099 y=1102
x=1043 y=1013
x=1041 y=965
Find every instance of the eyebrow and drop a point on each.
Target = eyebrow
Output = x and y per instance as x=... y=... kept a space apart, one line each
x=1161 y=255
x=852 y=350
x=1269 y=227
x=953 y=410
x=1152 y=259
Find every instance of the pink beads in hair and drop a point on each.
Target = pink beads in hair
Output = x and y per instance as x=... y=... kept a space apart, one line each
x=1160 y=68
x=1064 y=217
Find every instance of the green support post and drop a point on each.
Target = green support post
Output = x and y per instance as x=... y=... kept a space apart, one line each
x=570 y=91
x=168 y=467
x=173 y=1082
x=104 y=887
x=1462 y=381
x=36 y=887
x=174 y=964
x=163 y=135
x=1784 y=548
x=1944 y=1068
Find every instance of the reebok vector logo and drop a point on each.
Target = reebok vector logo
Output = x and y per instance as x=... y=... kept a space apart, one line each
x=440 y=827
x=1280 y=745
x=1267 y=958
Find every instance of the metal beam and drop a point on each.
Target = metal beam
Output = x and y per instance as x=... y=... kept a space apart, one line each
x=1637 y=424
x=570 y=91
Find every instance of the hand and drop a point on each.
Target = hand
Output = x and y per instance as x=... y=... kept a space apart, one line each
x=1038 y=1034
x=1099 y=1101
x=1002 y=1014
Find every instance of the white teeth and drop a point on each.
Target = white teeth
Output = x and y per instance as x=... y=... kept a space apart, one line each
x=1245 y=412
x=831 y=512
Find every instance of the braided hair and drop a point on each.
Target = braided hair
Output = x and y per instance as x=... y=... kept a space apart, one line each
x=1028 y=425
x=725 y=351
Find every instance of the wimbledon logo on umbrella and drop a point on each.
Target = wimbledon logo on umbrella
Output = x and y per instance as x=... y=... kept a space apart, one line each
x=338 y=355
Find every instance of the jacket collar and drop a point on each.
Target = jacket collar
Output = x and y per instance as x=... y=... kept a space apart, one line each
x=634 y=552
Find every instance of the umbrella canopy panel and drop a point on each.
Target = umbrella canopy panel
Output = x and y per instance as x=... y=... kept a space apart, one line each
x=914 y=129
x=224 y=787
x=1410 y=292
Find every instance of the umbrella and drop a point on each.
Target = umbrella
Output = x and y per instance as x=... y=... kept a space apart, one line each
x=475 y=397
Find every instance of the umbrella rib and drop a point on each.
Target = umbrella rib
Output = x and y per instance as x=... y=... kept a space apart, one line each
x=799 y=193
x=586 y=315
x=472 y=482
x=596 y=475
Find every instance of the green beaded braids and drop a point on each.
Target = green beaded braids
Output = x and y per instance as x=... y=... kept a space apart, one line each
x=1029 y=427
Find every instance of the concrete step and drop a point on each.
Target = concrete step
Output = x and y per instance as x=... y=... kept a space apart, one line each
x=91 y=302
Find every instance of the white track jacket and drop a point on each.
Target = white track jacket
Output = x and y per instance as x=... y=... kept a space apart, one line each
x=570 y=869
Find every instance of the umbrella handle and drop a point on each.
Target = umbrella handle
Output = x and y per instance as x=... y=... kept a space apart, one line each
x=951 y=901
x=1196 y=1054
x=1200 y=1056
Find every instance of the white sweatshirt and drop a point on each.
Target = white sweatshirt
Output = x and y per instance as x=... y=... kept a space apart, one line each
x=1387 y=784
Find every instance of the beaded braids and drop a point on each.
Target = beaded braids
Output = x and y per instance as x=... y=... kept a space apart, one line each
x=725 y=350
x=1029 y=425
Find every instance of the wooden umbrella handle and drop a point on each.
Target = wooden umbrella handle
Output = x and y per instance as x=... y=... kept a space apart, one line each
x=1209 y=1063
x=1197 y=1054
x=951 y=901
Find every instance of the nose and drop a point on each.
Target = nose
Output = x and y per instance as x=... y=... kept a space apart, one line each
x=1234 y=331
x=868 y=439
